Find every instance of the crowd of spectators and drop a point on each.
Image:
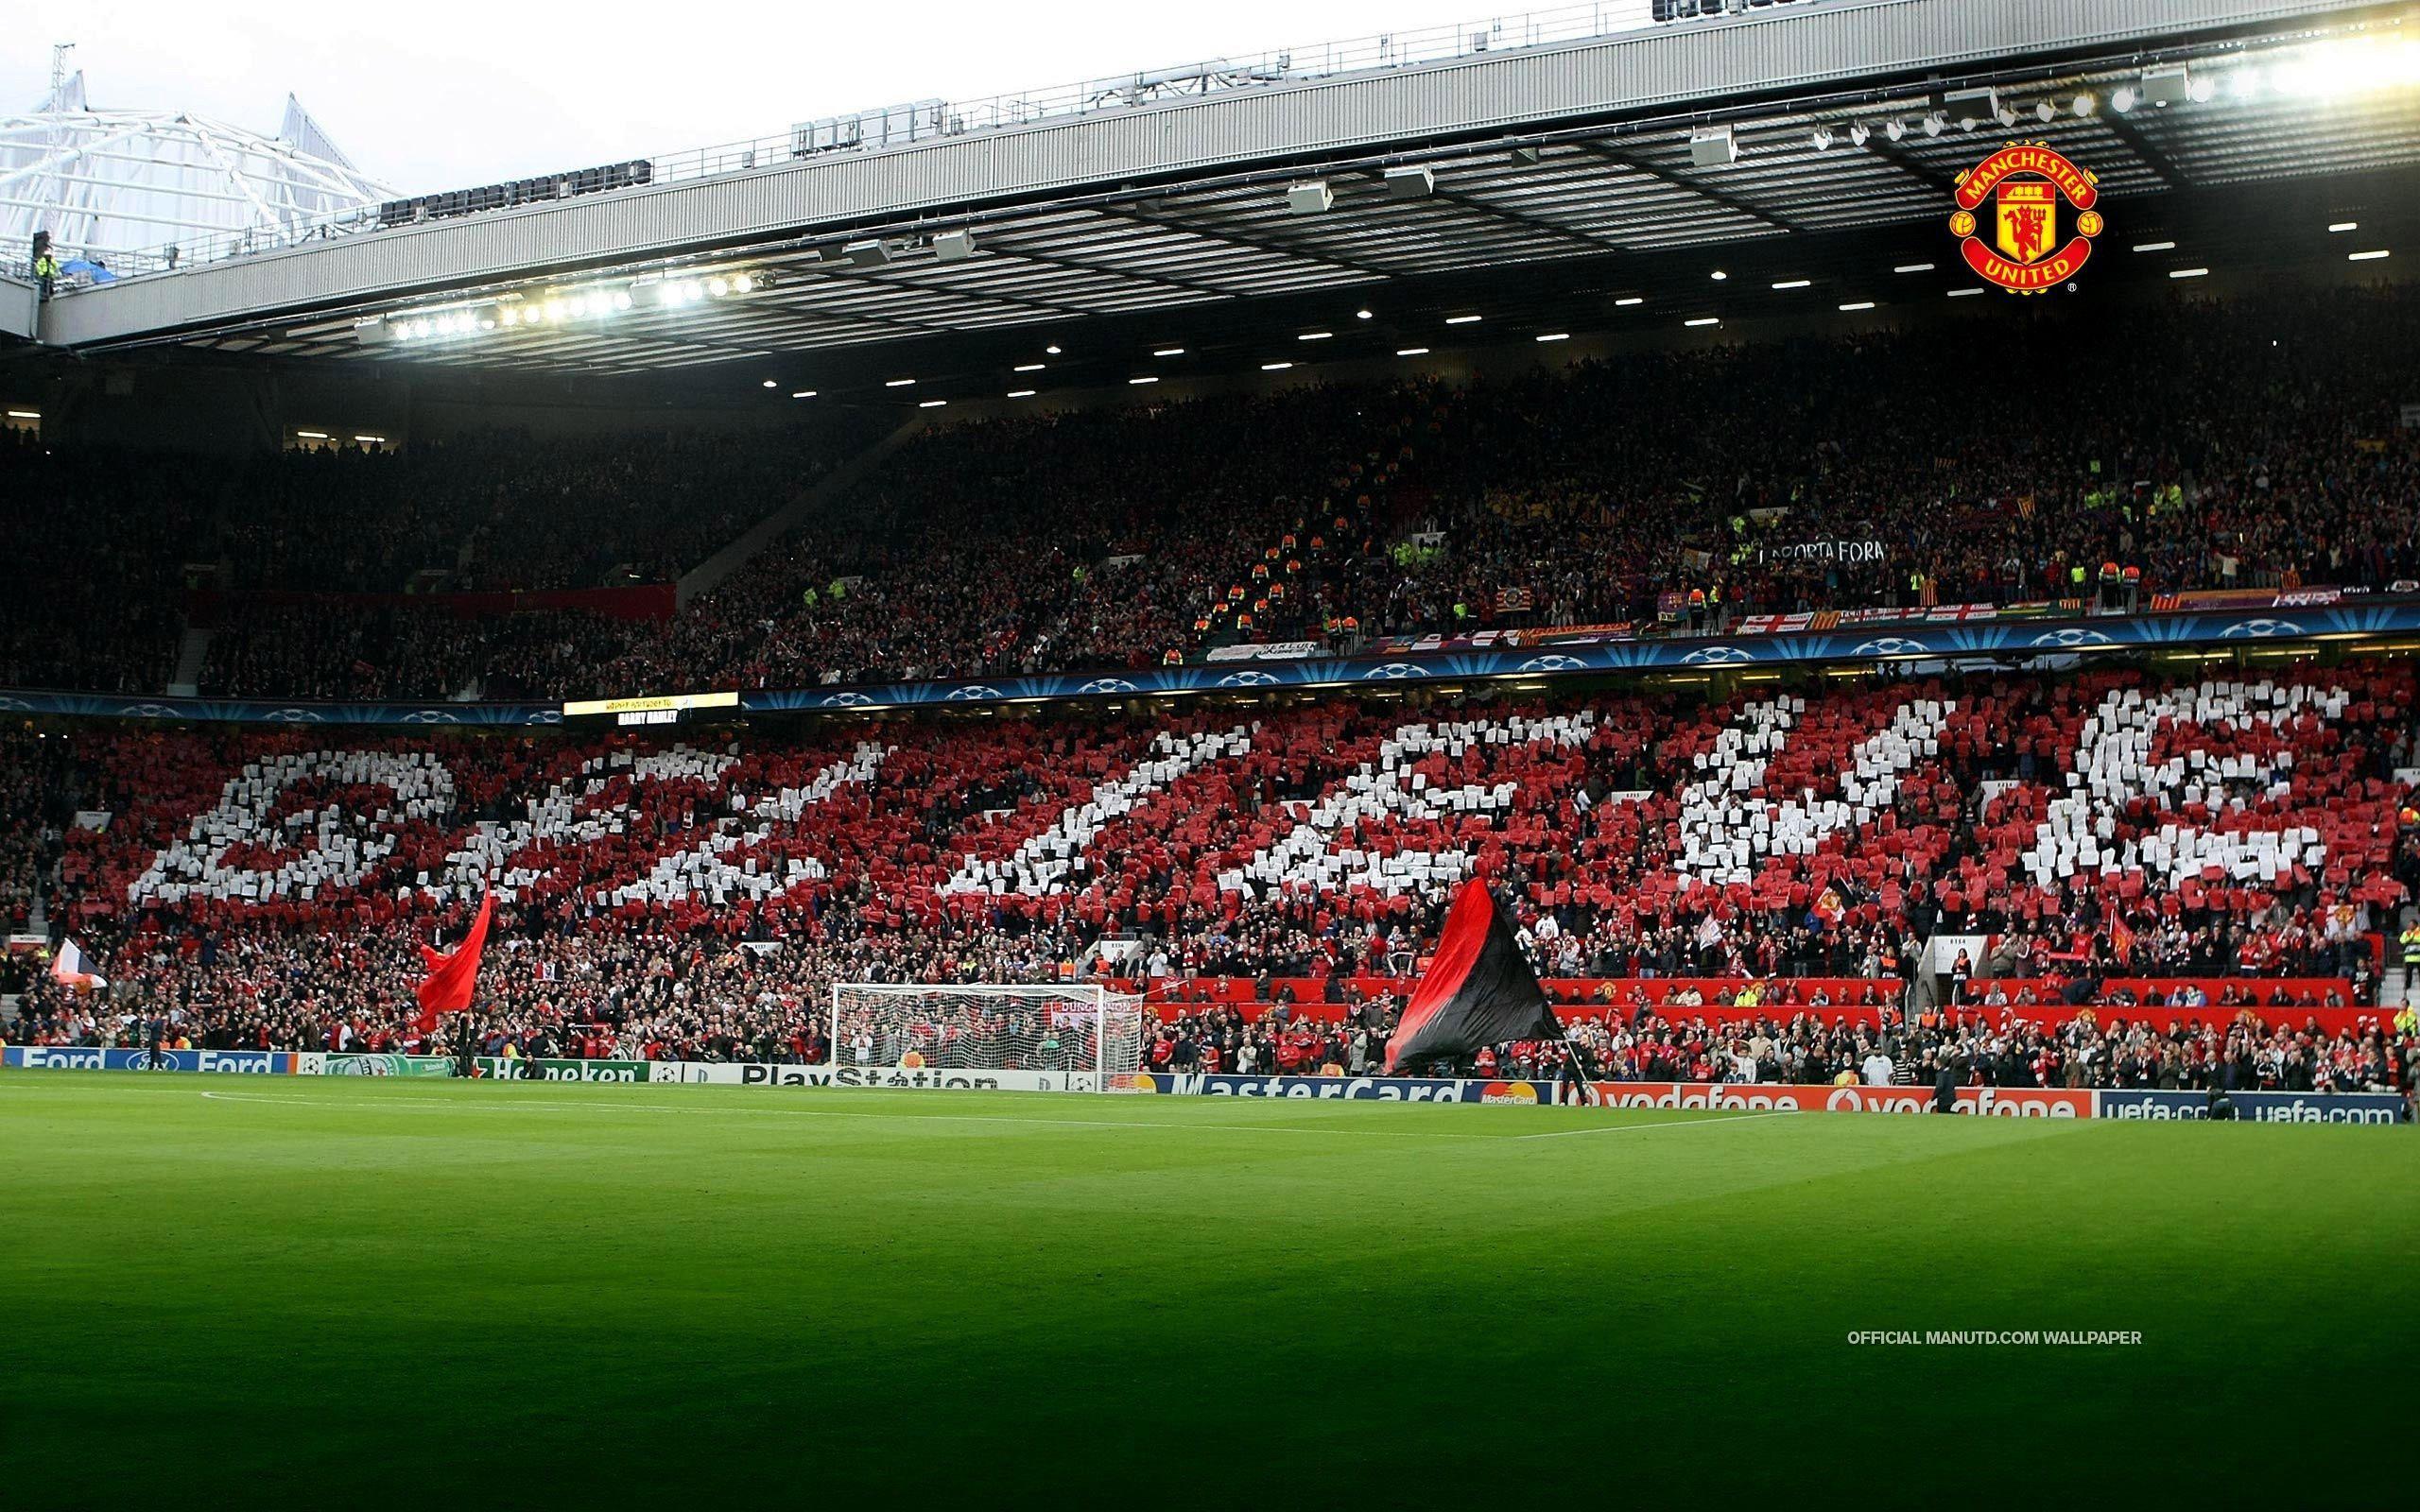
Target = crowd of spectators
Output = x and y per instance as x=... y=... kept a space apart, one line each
x=2253 y=443
x=2084 y=1047
x=640 y=997
x=1586 y=857
x=119 y=543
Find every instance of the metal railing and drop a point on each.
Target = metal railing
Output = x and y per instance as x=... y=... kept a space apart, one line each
x=931 y=119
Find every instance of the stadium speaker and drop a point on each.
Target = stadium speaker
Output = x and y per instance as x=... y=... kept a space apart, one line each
x=954 y=246
x=1717 y=148
x=1970 y=108
x=2166 y=86
x=866 y=254
x=1311 y=199
x=1410 y=183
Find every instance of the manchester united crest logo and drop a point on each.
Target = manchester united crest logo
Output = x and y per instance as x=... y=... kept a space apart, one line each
x=2026 y=182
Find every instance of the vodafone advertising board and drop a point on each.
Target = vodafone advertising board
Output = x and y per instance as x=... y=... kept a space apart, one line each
x=1999 y=1102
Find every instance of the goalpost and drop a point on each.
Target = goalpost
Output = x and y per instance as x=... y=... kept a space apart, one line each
x=1075 y=1028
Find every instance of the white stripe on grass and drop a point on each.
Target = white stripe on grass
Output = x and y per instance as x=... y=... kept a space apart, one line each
x=834 y=1113
x=1635 y=1128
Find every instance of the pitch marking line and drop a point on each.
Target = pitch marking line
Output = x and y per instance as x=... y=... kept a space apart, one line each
x=1635 y=1128
x=834 y=1113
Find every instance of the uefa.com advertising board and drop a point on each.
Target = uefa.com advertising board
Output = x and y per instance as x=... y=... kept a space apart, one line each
x=1990 y=1102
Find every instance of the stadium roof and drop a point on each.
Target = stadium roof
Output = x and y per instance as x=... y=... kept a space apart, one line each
x=2246 y=126
x=110 y=186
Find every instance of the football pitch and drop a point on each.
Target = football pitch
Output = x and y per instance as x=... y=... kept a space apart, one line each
x=345 y=1293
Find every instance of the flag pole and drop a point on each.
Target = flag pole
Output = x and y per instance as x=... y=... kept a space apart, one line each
x=1577 y=1055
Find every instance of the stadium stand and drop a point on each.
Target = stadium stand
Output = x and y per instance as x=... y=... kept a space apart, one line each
x=1120 y=538
x=2226 y=846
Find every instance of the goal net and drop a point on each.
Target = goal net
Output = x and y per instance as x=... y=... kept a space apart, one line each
x=960 y=1027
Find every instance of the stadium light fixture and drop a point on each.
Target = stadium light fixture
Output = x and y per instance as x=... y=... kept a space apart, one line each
x=954 y=246
x=1629 y=300
x=1147 y=378
x=1555 y=336
x=1895 y=130
x=2082 y=105
x=771 y=384
x=2344 y=226
x=1858 y=133
x=1912 y=268
x=308 y=436
x=1462 y=319
x=1858 y=304
x=1719 y=275
x=804 y=393
x=1792 y=283
x=1158 y=352
x=1030 y=367
x=2045 y=112
x=1821 y=138
x=2154 y=246
x=1411 y=352
x=2124 y=98
x=1315 y=335
x=1020 y=393
x=898 y=382
x=1704 y=319
x=2189 y=272
x=1934 y=122
x=1275 y=366
x=871 y=253
x=1361 y=315
x=1413 y=183
x=372 y=440
x=931 y=403
x=1050 y=350
x=2365 y=257
x=1960 y=294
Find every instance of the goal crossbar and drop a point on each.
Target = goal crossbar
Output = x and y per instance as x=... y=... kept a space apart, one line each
x=1073 y=1027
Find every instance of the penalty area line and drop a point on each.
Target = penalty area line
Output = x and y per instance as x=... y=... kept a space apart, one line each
x=1640 y=1129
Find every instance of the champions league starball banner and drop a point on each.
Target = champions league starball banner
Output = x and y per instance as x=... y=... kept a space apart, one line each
x=2000 y=640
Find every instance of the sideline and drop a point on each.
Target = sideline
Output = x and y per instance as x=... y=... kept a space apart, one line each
x=834 y=1112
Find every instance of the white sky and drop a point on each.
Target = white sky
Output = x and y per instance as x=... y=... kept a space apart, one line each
x=434 y=94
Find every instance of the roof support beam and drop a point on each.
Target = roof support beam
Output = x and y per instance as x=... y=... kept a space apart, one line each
x=1703 y=191
x=1899 y=158
x=1216 y=230
x=1075 y=264
x=1522 y=218
x=2152 y=156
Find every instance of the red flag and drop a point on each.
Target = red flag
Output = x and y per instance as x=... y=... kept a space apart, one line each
x=1478 y=989
x=450 y=978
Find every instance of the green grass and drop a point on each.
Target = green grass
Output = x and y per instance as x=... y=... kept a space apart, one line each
x=344 y=1293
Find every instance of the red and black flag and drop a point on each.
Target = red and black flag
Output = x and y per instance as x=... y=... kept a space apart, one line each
x=1479 y=989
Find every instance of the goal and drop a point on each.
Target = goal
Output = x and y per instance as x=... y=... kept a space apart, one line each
x=979 y=1026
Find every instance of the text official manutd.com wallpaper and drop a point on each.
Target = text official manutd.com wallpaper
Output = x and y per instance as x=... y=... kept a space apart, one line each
x=1077 y=755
